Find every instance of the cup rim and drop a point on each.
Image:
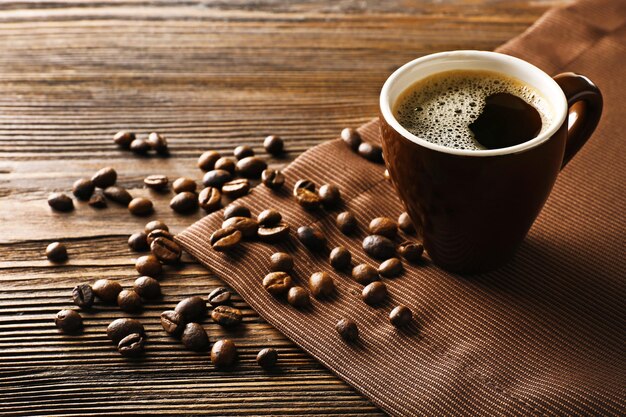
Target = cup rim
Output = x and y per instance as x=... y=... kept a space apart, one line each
x=559 y=103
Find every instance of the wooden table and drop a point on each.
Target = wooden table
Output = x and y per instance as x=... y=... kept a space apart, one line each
x=208 y=75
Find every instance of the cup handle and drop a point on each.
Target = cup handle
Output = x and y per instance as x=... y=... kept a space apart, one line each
x=584 y=101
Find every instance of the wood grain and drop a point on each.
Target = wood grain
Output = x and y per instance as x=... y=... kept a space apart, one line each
x=208 y=75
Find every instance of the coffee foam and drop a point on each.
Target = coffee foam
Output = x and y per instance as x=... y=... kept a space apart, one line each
x=440 y=108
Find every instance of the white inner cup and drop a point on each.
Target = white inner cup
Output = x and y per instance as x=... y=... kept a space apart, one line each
x=420 y=68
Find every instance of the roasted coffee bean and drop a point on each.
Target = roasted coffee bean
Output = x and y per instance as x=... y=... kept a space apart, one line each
x=123 y=139
x=374 y=293
x=236 y=210
x=216 y=178
x=223 y=353
x=247 y=226
x=104 y=178
x=400 y=316
x=383 y=226
x=155 y=225
x=69 y=321
x=306 y=184
x=140 y=146
x=120 y=328
x=281 y=261
x=195 y=337
x=251 y=167
x=107 y=290
x=83 y=189
x=348 y=330
x=371 y=152
x=340 y=258
x=219 y=296
x=206 y=161
x=278 y=233
x=386 y=175
x=158 y=143
x=330 y=195
x=129 y=301
x=269 y=218
x=227 y=164
x=226 y=316
x=183 y=184
x=351 y=137
x=364 y=274
x=236 y=188
x=184 y=202
x=390 y=268
x=147 y=287
x=132 y=345
x=117 y=194
x=274 y=145
x=379 y=247
x=83 y=296
x=311 y=238
x=60 y=202
x=308 y=199
x=148 y=265
x=267 y=358
x=156 y=182
x=210 y=199
x=225 y=239
x=346 y=222
x=272 y=178
x=98 y=200
x=172 y=322
x=192 y=308
x=406 y=224
x=277 y=283
x=140 y=206
x=411 y=251
x=56 y=252
x=298 y=297
x=243 y=151
x=159 y=233
x=138 y=242
x=321 y=284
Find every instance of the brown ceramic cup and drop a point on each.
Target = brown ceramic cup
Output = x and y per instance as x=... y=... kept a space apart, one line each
x=474 y=207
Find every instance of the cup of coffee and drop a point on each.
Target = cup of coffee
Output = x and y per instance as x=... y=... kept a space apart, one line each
x=473 y=142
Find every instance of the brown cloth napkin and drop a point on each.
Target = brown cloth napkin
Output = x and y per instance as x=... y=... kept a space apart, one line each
x=543 y=335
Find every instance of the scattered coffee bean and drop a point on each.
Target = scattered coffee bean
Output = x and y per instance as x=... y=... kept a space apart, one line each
x=243 y=151
x=192 y=308
x=117 y=194
x=406 y=224
x=400 y=316
x=184 y=202
x=351 y=137
x=158 y=143
x=98 y=200
x=411 y=251
x=83 y=189
x=156 y=182
x=281 y=261
x=227 y=164
x=236 y=210
x=267 y=358
x=330 y=195
x=223 y=353
x=107 y=290
x=60 y=202
x=226 y=316
x=269 y=218
x=216 y=178
x=247 y=226
x=83 y=296
x=383 y=226
x=195 y=337
x=386 y=175
x=56 y=252
x=374 y=293
x=321 y=284
x=346 y=222
x=272 y=178
x=278 y=233
x=129 y=301
x=155 y=225
x=298 y=297
x=183 y=184
x=236 y=188
x=371 y=152
x=225 y=239
x=159 y=233
x=123 y=139
x=140 y=146
x=172 y=322
x=69 y=321
x=306 y=184
x=104 y=178
x=364 y=274
x=219 y=296
x=120 y=328
x=140 y=206
x=274 y=145
x=390 y=268
x=206 y=161
x=132 y=345
x=340 y=258
x=148 y=265
x=138 y=242
x=210 y=199
x=147 y=287
x=379 y=247
x=277 y=283
x=251 y=167
x=311 y=238
x=348 y=330
x=308 y=199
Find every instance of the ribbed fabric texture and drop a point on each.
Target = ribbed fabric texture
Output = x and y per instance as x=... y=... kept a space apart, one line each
x=543 y=335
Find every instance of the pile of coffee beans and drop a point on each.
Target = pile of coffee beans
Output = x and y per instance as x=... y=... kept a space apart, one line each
x=139 y=146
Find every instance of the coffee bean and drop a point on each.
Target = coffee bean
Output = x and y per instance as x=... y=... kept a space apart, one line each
x=138 y=242
x=172 y=322
x=183 y=184
x=192 y=308
x=129 y=301
x=120 y=328
x=364 y=274
x=400 y=316
x=83 y=189
x=374 y=293
x=411 y=251
x=390 y=268
x=107 y=290
x=306 y=184
x=227 y=164
x=386 y=175
x=351 y=137
x=156 y=182
x=272 y=178
x=277 y=283
x=147 y=287
x=269 y=218
x=148 y=265
x=219 y=296
x=56 y=252
x=321 y=284
x=311 y=238
x=383 y=226
x=308 y=199
x=83 y=296
x=278 y=233
x=348 y=330
x=274 y=145
x=210 y=199
x=216 y=178
x=281 y=261
x=159 y=233
x=223 y=353
x=225 y=239
x=267 y=358
x=60 y=202
x=117 y=194
x=371 y=152
x=379 y=247
x=248 y=227
x=346 y=222
x=158 y=143
x=104 y=178
x=69 y=321
x=251 y=167
x=123 y=139
x=226 y=316
x=140 y=206
x=206 y=161
x=236 y=210
x=184 y=202
x=155 y=225
x=98 y=200
x=195 y=337
x=132 y=345
x=340 y=258
x=140 y=146
x=298 y=297
x=236 y=188
x=330 y=195
x=406 y=224
x=243 y=151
